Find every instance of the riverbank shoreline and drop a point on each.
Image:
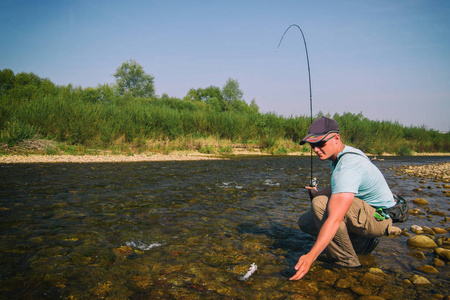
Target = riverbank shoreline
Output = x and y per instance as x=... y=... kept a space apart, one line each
x=174 y=156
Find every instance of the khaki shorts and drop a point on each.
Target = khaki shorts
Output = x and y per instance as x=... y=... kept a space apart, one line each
x=359 y=222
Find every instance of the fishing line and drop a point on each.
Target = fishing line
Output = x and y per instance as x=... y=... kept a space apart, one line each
x=313 y=182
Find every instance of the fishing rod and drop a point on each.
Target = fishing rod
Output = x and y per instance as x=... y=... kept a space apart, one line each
x=313 y=182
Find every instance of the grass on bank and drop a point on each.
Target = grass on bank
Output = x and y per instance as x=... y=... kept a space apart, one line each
x=98 y=120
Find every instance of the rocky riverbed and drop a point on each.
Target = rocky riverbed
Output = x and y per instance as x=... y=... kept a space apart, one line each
x=191 y=230
x=440 y=171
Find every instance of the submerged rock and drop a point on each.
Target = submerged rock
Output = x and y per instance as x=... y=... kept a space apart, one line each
x=438 y=230
x=428 y=230
x=438 y=263
x=420 y=201
x=421 y=241
x=428 y=269
x=443 y=253
x=419 y=280
x=417 y=254
x=438 y=213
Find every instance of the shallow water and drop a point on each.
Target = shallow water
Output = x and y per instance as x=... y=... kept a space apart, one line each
x=184 y=230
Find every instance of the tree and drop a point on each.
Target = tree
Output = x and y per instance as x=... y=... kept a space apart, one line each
x=231 y=91
x=131 y=78
x=6 y=80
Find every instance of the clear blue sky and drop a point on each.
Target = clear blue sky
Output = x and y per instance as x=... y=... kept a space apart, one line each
x=388 y=59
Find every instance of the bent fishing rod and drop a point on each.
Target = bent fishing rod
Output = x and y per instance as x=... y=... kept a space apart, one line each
x=313 y=182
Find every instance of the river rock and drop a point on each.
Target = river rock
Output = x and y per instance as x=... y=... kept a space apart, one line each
x=371 y=297
x=438 y=263
x=414 y=211
x=361 y=290
x=428 y=230
x=428 y=269
x=443 y=253
x=421 y=241
x=438 y=230
x=373 y=280
x=376 y=271
x=416 y=229
x=344 y=283
x=417 y=254
x=438 y=213
x=419 y=280
x=420 y=201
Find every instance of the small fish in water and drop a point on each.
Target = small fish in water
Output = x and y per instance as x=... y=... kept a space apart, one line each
x=249 y=273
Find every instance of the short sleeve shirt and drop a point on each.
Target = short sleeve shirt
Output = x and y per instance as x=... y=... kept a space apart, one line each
x=355 y=173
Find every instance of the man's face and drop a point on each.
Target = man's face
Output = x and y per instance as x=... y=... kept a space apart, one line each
x=327 y=148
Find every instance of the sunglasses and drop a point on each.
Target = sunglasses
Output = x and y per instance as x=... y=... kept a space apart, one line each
x=322 y=143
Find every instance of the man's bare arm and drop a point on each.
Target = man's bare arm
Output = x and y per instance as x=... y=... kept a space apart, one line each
x=337 y=207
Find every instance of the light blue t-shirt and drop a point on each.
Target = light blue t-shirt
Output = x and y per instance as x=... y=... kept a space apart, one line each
x=355 y=173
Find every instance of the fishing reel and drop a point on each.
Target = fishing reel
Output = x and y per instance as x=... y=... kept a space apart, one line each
x=314 y=182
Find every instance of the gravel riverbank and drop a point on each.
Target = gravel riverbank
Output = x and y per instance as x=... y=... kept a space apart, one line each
x=8 y=159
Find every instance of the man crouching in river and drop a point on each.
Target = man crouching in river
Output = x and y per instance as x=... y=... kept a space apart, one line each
x=344 y=217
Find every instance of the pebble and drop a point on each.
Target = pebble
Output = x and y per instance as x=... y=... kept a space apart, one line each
x=421 y=241
x=443 y=253
x=428 y=269
x=438 y=263
x=417 y=254
x=428 y=230
x=416 y=229
x=420 y=201
x=438 y=230
x=414 y=211
x=419 y=280
x=438 y=213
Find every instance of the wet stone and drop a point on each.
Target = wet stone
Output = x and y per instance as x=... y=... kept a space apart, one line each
x=439 y=230
x=362 y=290
x=346 y=282
x=376 y=271
x=371 y=297
x=438 y=213
x=414 y=211
x=428 y=269
x=438 y=263
x=428 y=230
x=417 y=254
x=416 y=229
x=443 y=253
x=420 y=201
x=373 y=280
x=420 y=280
x=421 y=241
x=389 y=291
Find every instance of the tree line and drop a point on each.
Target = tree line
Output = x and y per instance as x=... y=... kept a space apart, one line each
x=129 y=115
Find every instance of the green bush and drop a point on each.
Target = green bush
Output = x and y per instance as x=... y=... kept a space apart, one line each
x=16 y=131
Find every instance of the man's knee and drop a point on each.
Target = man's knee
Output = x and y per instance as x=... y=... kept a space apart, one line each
x=319 y=205
x=306 y=223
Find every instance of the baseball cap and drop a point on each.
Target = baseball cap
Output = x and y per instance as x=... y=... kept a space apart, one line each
x=319 y=130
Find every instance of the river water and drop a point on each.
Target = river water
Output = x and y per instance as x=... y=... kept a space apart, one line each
x=188 y=230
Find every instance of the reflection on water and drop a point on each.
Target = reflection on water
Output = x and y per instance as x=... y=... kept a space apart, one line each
x=158 y=230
